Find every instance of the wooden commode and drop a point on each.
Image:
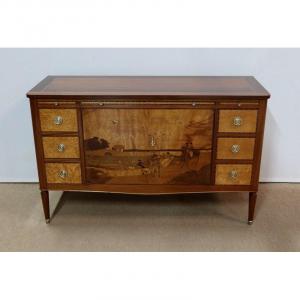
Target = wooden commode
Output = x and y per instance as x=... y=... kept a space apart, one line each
x=148 y=135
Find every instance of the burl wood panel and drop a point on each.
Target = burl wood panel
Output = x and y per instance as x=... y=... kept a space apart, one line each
x=72 y=169
x=108 y=166
x=246 y=148
x=148 y=129
x=223 y=174
x=249 y=120
x=69 y=122
x=71 y=147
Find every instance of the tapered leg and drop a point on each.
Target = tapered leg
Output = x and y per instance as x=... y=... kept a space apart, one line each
x=45 y=200
x=252 y=202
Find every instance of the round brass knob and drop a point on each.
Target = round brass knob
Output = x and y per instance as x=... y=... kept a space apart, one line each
x=237 y=121
x=61 y=148
x=58 y=120
x=235 y=148
x=233 y=174
x=62 y=173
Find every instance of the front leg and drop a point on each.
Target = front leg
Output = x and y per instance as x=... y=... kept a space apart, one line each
x=252 y=202
x=45 y=200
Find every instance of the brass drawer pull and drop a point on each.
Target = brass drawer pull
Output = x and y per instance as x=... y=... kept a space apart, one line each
x=62 y=174
x=237 y=121
x=233 y=174
x=58 y=120
x=235 y=148
x=61 y=148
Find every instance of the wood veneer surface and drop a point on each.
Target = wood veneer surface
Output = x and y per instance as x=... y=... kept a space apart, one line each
x=243 y=86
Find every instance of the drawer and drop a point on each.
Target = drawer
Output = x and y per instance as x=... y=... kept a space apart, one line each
x=235 y=148
x=237 y=120
x=148 y=129
x=58 y=119
x=63 y=172
x=61 y=147
x=56 y=104
x=233 y=174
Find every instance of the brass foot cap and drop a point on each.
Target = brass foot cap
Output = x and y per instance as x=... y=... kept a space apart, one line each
x=250 y=222
x=47 y=221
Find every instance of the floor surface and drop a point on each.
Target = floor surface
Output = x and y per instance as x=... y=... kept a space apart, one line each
x=113 y=222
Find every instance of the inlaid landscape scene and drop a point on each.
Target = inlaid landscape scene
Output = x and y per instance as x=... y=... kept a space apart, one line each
x=147 y=146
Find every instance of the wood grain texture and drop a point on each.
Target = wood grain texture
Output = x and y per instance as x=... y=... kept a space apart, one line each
x=71 y=147
x=56 y=104
x=149 y=129
x=46 y=206
x=38 y=144
x=251 y=209
x=69 y=119
x=223 y=177
x=72 y=169
x=167 y=149
x=249 y=120
x=146 y=167
x=218 y=86
x=246 y=148
x=150 y=189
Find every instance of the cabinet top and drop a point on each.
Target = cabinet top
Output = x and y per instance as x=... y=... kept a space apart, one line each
x=200 y=86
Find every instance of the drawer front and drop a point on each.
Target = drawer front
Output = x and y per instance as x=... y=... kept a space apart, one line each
x=61 y=147
x=235 y=148
x=237 y=120
x=148 y=129
x=58 y=120
x=233 y=174
x=63 y=173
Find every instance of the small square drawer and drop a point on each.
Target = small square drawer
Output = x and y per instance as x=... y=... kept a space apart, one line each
x=61 y=147
x=235 y=148
x=237 y=120
x=58 y=119
x=63 y=172
x=235 y=174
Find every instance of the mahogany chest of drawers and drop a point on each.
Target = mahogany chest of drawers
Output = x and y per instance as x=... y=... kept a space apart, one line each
x=148 y=135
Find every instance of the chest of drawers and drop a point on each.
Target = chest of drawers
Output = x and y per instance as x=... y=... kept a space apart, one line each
x=148 y=135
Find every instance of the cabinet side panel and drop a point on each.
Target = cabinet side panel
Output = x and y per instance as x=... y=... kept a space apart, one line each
x=38 y=144
x=259 y=142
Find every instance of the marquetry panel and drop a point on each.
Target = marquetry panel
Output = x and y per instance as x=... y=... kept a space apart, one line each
x=148 y=167
x=148 y=129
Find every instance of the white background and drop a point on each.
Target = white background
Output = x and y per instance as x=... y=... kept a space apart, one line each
x=277 y=69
